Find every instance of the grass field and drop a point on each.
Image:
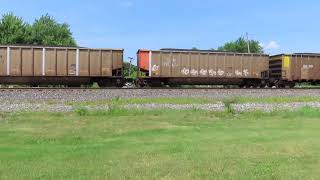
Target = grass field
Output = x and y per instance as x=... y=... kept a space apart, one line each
x=160 y=144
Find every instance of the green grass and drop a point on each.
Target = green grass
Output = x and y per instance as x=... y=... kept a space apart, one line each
x=124 y=101
x=160 y=144
x=277 y=99
x=185 y=100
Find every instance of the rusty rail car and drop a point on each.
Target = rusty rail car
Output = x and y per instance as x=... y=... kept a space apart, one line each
x=74 y=66
x=198 y=67
x=288 y=69
x=35 y=65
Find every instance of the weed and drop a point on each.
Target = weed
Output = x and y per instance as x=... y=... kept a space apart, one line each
x=82 y=111
x=95 y=85
x=228 y=105
x=195 y=109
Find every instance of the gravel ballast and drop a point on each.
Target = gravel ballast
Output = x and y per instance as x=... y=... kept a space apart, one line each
x=63 y=95
x=55 y=100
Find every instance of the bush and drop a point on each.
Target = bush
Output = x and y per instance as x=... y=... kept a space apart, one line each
x=82 y=111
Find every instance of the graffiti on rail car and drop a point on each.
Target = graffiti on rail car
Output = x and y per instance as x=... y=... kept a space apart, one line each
x=213 y=73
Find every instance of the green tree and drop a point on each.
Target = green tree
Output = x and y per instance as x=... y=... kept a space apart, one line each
x=13 y=30
x=241 y=46
x=126 y=67
x=47 y=31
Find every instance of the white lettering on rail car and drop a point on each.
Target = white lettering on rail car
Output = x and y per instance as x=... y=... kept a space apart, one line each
x=185 y=71
x=238 y=73
x=220 y=72
x=203 y=72
x=174 y=63
x=72 y=69
x=155 y=68
x=308 y=66
x=212 y=72
x=194 y=72
x=166 y=62
x=246 y=72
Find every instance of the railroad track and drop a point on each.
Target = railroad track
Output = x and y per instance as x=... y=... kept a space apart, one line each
x=164 y=88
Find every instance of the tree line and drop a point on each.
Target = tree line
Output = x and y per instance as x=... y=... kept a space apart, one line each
x=45 y=31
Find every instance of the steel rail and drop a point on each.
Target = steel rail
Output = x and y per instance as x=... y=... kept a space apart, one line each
x=157 y=88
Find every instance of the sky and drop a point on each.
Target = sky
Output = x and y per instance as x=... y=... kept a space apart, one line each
x=280 y=26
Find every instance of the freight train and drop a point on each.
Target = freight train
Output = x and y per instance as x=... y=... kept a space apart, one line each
x=189 y=67
x=69 y=66
x=33 y=65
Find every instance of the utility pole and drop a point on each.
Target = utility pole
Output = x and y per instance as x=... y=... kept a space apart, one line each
x=130 y=62
x=248 y=42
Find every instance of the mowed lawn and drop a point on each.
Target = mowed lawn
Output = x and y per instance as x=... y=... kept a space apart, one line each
x=160 y=144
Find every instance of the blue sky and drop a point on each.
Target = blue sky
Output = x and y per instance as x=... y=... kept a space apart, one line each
x=281 y=26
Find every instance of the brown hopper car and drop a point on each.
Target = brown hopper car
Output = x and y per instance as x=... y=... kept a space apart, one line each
x=60 y=65
x=193 y=67
x=73 y=66
x=288 y=69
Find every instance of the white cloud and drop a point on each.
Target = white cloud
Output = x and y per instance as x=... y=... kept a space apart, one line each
x=271 y=45
x=127 y=4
